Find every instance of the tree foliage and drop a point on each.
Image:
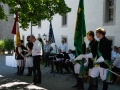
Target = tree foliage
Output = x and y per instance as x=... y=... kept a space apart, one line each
x=34 y=10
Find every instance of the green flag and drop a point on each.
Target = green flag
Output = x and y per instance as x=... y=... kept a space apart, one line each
x=80 y=29
x=80 y=33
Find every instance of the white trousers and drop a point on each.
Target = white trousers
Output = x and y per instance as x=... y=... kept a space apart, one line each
x=20 y=63
x=29 y=62
x=89 y=74
x=99 y=70
x=77 y=68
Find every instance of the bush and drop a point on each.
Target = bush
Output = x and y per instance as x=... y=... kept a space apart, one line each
x=2 y=44
x=9 y=44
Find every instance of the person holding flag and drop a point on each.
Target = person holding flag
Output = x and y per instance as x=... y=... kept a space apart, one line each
x=19 y=47
x=80 y=46
x=20 y=57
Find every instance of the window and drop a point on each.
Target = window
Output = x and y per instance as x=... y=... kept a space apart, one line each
x=111 y=39
x=109 y=12
x=64 y=20
x=39 y=24
x=38 y=35
x=64 y=38
x=8 y=10
x=1 y=6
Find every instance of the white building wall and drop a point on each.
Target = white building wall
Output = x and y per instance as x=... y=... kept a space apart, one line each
x=6 y=26
x=94 y=18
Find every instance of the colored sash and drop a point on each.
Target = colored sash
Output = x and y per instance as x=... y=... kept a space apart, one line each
x=109 y=74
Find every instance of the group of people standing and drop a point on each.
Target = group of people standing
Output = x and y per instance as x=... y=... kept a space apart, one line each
x=99 y=52
x=30 y=57
x=97 y=57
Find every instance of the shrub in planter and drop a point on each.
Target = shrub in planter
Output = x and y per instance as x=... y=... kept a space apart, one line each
x=2 y=44
x=9 y=44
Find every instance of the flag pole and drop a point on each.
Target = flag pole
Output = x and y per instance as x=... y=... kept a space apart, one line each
x=51 y=35
x=31 y=28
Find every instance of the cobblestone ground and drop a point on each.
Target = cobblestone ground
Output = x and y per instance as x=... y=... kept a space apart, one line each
x=50 y=81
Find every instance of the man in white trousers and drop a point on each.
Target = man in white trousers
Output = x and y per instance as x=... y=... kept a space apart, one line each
x=80 y=83
x=92 y=48
x=103 y=55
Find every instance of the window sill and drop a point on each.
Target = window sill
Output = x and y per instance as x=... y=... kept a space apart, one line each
x=110 y=23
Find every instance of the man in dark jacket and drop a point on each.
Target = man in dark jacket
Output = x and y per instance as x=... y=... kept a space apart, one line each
x=20 y=58
x=92 y=48
x=103 y=56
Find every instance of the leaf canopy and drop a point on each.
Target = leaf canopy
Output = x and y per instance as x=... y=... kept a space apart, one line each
x=34 y=10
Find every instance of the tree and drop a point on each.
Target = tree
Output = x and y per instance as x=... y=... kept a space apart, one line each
x=34 y=10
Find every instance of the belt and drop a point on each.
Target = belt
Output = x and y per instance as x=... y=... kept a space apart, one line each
x=37 y=56
x=47 y=52
x=29 y=56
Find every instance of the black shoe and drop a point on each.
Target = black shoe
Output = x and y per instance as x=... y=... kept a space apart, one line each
x=16 y=73
x=28 y=75
x=57 y=71
x=20 y=74
x=51 y=72
x=61 y=72
x=75 y=86
x=80 y=88
x=39 y=82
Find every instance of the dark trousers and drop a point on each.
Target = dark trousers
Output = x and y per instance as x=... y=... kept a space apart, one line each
x=70 y=64
x=36 y=69
x=46 y=57
x=60 y=65
x=115 y=69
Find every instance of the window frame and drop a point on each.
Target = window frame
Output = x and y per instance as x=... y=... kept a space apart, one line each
x=39 y=24
x=106 y=16
x=64 y=20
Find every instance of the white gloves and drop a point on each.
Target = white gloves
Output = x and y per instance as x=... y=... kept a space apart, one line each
x=100 y=59
x=88 y=55
x=79 y=57
x=28 y=54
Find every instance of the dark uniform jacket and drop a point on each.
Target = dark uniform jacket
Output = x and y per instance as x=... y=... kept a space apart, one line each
x=92 y=49
x=30 y=46
x=105 y=50
x=19 y=54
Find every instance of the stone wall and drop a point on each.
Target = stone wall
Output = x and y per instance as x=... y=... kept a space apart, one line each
x=6 y=26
